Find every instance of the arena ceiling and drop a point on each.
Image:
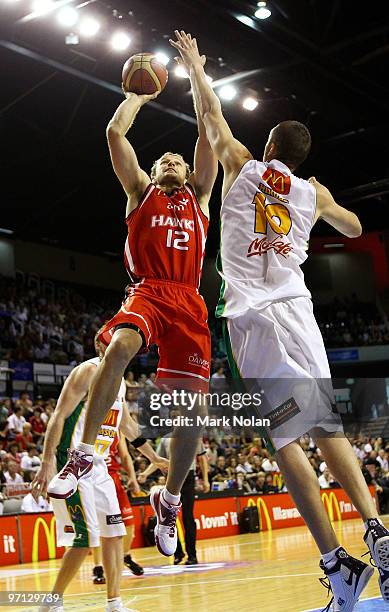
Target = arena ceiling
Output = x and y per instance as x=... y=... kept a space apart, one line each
x=323 y=63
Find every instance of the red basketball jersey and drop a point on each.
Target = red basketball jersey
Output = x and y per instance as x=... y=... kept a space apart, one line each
x=113 y=460
x=166 y=237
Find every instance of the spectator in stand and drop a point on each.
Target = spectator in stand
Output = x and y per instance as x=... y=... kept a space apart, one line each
x=211 y=452
x=243 y=465
x=326 y=480
x=270 y=465
x=231 y=468
x=218 y=380
x=25 y=439
x=16 y=422
x=242 y=484
x=3 y=435
x=12 y=475
x=382 y=459
x=271 y=487
x=13 y=453
x=30 y=463
x=5 y=410
x=25 y=403
x=33 y=502
x=219 y=472
x=46 y=414
x=37 y=427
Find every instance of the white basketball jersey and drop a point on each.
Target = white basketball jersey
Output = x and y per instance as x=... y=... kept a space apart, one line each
x=108 y=429
x=266 y=219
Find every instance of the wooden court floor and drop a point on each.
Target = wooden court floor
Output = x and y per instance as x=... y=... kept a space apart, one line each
x=270 y=571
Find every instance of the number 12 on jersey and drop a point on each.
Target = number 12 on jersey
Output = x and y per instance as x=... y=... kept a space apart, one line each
x=175 y=239
x=276 y=215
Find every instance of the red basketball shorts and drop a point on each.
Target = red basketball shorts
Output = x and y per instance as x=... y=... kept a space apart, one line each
x=174 y=317
x=124 y=502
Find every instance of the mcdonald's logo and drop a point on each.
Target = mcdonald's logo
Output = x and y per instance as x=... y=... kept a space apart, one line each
x=277 y=181
x=111 y=418
x=331 y=503
x=261 y=506
x=278 y=481
x=50 y=538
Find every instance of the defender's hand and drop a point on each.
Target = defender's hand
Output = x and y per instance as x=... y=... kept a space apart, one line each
x=187 y=46
x=42 y=478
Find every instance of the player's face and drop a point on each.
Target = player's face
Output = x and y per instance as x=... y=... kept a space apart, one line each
x=171 y=170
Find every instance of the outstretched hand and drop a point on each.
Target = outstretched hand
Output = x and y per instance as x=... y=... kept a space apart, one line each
x=143 y=98
x=187 y=46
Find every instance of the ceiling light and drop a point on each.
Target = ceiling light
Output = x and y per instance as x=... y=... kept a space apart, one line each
x=67 y=16
x=89 y=26
x=120 y=41
x=41 y=7
x=162 y=58
x=3 y=230
x=227 y=92
x=246 y=20
x=181 y=72
x=263 y=11
x=250 y=103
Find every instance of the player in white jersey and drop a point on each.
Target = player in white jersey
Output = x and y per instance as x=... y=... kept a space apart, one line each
x=266 y=218
x=93 y=511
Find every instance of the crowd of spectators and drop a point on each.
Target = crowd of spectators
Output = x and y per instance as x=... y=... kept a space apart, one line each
x=234 y=462
x=350 y=322
x=46 y=322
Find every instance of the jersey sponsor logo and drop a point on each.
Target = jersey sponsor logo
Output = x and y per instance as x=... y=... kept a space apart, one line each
x=107 y=433
x=270 y=192
x=283 y=413
x=114 y=519
x=180 y=206
x=111 y=418
x=196 y=360
x=68 y=529
x=259 y=246
x=277 y=181
x=166 y=221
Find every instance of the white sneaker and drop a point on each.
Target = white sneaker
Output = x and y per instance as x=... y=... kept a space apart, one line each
x=377 y=539
x=348 y=577
x=165 y=531
x=64 y=484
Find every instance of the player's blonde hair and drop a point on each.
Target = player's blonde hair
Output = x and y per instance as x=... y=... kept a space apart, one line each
x=153 y=172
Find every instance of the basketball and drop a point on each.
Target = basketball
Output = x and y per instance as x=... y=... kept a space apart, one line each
x=144 y=74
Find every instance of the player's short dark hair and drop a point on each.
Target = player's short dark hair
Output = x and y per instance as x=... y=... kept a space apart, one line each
x=293 y=141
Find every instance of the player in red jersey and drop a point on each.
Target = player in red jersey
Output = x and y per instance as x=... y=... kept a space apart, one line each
x=167 y=220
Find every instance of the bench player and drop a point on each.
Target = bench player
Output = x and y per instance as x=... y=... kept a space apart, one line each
x=266 y=218
x=92 y=511
x=167 y=220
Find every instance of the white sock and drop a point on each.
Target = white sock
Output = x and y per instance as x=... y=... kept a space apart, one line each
x=88 y=449
x=373 y=519
x=170 y=498
x=329 y=558
x=114 y=603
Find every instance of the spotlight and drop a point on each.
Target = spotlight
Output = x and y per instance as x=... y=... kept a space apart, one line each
x=227 y=92
x=263 y=12
x=181 y=72
x=67 y=16
x=41 y=7
x=250 y=104
x=162 y=58
x=89 y=26
x=72 y=39
x=120 y=41
x=246 y=20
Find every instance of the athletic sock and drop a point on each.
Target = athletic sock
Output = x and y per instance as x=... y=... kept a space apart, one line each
x=329 y=558
x=170 y=498
x=366 y=523
x=88 y=449
x=114 y=603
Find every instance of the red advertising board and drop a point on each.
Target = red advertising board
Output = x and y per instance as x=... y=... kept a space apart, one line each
x=39 y=540
x=215 y=517
x=9 y=544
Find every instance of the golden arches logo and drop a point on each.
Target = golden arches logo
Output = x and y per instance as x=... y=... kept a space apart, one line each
x=261 y=506
x=330 y=502
x=50 y=538
x=278 y=481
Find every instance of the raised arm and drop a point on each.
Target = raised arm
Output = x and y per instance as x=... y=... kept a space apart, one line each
x=231 y=153
x=74 y=390
x=205 y=168
x=134 y=180
x=343 y=220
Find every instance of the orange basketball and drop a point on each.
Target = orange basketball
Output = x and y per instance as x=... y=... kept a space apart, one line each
x=143 y=74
